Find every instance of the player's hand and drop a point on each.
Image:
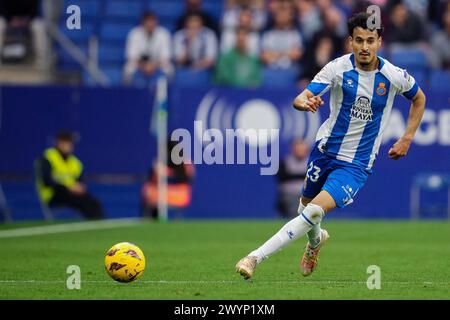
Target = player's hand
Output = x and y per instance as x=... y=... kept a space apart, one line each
x=149 y=68
x=78 y=188
x=310 y=104
x=400 y=148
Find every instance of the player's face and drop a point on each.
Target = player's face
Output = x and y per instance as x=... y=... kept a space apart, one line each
x=150 y=24
x=66 y=147
x=365 y=44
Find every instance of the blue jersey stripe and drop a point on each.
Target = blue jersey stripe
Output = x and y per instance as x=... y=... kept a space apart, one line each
x=352 y=60
x=372 y=128
x=411 y=92
x=316 y=87
x=349 y=90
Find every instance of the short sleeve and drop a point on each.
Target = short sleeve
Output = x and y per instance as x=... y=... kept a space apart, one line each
x=408 y=86
x=323 y=80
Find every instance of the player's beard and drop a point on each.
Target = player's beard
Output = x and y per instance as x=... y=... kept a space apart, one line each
x=366 y=63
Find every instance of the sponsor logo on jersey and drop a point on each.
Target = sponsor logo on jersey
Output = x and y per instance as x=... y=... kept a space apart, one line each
x=361 y=109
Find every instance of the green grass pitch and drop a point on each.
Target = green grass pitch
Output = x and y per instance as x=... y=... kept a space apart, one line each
x=195 y=260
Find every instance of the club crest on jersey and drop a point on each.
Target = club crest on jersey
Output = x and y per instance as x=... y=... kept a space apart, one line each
x=361 y=109
x=381 y=90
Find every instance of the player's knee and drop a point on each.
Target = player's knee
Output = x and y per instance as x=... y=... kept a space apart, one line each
x=300 y=208
x=303 y=202
x=313 y=213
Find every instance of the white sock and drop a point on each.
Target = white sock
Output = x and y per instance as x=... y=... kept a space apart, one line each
x=314 y=233
x=291 y=231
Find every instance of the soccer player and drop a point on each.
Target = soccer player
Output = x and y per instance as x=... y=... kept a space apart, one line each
x=363 y=87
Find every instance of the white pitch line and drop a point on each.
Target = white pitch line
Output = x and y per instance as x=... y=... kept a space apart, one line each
x=69 y=227
x=225 y=282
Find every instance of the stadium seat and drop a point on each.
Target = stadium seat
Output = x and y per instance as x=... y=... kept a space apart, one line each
x=116 y=32
x=411 y=58
x=215 y=8
x=276 y=78
x=166 y=9
x=114 y=74
x=169 y=23
x=89 y=8
x=111 y=54
x=79 y=35
x=65 y=61
x=440 y=80
x=191 y=78
x=129 y=9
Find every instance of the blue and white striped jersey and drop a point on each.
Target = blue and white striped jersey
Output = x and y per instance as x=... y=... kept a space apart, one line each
x=360 y=106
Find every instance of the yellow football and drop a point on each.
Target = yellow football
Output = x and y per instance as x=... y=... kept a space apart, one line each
x=125 y=262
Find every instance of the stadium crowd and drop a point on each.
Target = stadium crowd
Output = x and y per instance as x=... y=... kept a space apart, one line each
x=295 y=37
x=243 y=43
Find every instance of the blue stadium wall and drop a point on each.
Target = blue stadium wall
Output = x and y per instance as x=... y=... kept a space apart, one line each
x=116 y=138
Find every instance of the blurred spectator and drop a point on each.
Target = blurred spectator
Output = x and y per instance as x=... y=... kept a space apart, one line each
x=195 y=46
x=441 y=43
x=275 y=6
x=405 y=27
x=436 y=12
x=282 y=46
x=362 y=5
x=228 y=40
x=233 y=10
x=148 y=51
x=418 y=7
x=179 y=185
x=24 y=15
x=58 y=179
x=290 y=177
x=322 y=53
x=331 y=22
x=239 y=67
x=308 y=18
x=195 y=6
x=332 y=17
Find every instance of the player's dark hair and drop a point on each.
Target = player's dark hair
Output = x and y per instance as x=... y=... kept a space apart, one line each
x=148 y=14
x=65 y=135
x=360 y=20
x=194 y=15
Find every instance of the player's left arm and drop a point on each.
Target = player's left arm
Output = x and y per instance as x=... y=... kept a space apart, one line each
x=401 y=147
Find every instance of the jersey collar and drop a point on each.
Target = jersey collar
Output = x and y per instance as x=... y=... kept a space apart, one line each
x=380 y=64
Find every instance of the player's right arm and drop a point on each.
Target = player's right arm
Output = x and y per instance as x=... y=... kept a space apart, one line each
x=310 y=99
x=307 y=101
